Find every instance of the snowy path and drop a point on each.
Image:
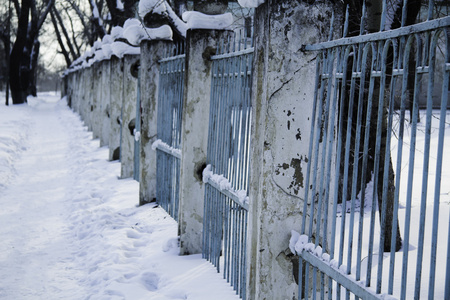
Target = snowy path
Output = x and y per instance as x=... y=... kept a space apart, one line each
x=34 y=252
x=69 y=229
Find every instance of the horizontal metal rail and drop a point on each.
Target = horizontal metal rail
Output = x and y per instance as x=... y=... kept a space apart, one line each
x=230 y=194
x=233 y=54
x=341 y=278
x=169 y=150
x=383 y=35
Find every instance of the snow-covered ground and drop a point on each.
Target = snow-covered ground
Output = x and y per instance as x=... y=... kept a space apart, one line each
x=70 y=229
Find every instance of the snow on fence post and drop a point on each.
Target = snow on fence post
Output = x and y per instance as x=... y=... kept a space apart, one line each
x=283 y=93
x=151 y=52
x=116 y=87
x=200 y=46
x=130 y=71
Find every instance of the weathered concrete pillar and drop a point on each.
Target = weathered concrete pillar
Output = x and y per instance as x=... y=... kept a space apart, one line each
x=283 y=92
x=75 y=86
x=96 y=118
x=85 y=104
x=88 y=97
x=115 y=114
x=200 y=45
x=130 y=74
x=151 y=53
x=105 y=105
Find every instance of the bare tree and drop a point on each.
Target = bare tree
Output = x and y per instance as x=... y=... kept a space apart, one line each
x=5 y=37
x=373 y=21
x=25 y=51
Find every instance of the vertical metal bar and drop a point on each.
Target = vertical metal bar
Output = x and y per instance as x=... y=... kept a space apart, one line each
x=383 y=17
x=359 y=69
x=399 y=155
x=425 y=170
x=437 y=184
x=410 y=173
x=320 y=60
x=367 y=49
x=430 y=9
x=387 y=156
x=376 y=170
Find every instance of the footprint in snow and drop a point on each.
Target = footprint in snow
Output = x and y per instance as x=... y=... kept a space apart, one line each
x=132 y=234
x=150 y=281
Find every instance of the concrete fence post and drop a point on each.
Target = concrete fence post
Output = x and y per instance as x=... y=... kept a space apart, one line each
x=283 y=93
x=128 y=115
x=115 y=113
x=200 y=46
x=96 y=117
x=105 y=98
x=151 y=53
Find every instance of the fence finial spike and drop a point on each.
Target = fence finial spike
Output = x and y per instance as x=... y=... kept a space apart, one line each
x=346 y=22
x=330 y=36
x=430 y=9
x=383 y=16
x=363 y=19
x=404 y=12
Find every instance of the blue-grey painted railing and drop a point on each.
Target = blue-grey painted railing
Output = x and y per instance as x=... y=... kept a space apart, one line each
x=225 y=214
x=350 y=72
x=170 y=107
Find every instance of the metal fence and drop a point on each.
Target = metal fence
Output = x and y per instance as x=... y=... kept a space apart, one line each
x=376 y=213
x=225 y=211
x=170 y=107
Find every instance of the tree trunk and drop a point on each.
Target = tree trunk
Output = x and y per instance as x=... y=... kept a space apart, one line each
x=32 y=89
x=18 y=92
x=374 y=10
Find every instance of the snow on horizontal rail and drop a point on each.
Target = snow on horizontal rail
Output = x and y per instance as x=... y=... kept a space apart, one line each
x=160 y=145
x=224 y=186
x=299 y=245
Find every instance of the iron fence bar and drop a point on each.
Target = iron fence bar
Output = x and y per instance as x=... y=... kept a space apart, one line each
x=432 y=59
x=385 y=161
x=367 y=48
x=444 y=99
x=410 y=178
x=346 y=160
x=361 y=68
x=337 y=79
x=320 y=61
